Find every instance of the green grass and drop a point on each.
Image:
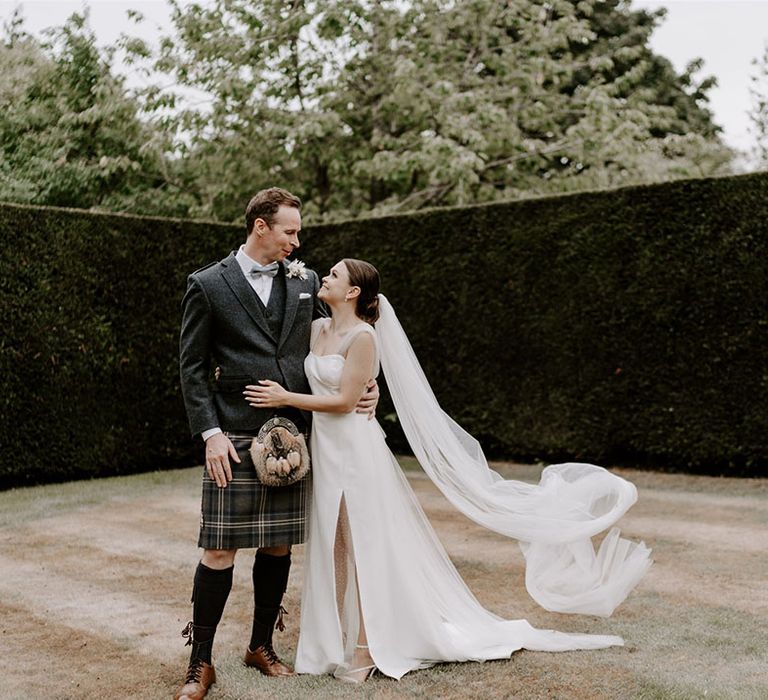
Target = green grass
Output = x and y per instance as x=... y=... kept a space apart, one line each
x=33 y=502
x=699 y=635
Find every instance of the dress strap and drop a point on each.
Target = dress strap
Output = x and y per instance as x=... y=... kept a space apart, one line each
x=353 y=333
x=315 y=328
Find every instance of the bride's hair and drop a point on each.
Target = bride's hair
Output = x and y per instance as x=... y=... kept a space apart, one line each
x=365 y=276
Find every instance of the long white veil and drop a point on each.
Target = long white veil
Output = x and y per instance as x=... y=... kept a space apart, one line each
x=554 y=520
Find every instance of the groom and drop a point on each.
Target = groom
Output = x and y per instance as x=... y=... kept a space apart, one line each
x=250 y=315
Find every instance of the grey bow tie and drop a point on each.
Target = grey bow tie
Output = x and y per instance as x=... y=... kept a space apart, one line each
x=268 y=270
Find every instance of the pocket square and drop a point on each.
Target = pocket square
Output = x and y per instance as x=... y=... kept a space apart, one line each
x=305 y=295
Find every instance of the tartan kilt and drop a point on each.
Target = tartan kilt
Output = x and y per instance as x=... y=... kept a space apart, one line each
x=248 y=514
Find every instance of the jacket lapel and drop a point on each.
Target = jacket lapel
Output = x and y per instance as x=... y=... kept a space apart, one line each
x=292 y=288
x=236 y=281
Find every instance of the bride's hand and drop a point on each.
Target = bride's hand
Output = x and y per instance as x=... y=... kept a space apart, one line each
x=269 y=395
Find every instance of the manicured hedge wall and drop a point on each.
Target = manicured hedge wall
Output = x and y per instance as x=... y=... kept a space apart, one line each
x=626 y=326
x=89 y=355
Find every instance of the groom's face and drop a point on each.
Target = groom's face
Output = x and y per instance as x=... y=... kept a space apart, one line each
x=281 y=238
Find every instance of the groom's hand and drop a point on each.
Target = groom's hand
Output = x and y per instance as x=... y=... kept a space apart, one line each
x=218 y=450
x=369 y=400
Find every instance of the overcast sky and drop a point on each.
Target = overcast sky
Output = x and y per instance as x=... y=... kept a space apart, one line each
x=727 y=34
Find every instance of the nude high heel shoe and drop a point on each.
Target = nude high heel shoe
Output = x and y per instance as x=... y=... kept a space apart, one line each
x=359 y=674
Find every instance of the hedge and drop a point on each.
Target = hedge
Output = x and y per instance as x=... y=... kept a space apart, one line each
x=622 y=327
x=89 y=355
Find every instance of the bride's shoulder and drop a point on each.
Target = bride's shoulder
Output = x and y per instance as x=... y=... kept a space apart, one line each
x=356 y=334
x=316 y=328
x=364 y=329
x=363 y=340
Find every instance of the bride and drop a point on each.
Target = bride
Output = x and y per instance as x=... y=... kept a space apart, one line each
x=380 y=592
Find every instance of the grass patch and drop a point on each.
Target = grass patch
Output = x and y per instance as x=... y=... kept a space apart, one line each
x=102 y=571
x=33 y=502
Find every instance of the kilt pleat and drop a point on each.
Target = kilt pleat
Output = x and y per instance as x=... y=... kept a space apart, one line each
x=249 y=514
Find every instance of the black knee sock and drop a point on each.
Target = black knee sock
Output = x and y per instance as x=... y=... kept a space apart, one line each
x=209 y=596
x=270 y=579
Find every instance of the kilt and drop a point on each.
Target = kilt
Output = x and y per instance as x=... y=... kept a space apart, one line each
x=248 y=514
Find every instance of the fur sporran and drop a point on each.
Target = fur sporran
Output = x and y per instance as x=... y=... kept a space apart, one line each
x=279 y=453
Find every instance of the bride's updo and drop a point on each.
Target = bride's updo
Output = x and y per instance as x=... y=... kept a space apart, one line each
x=365 y=276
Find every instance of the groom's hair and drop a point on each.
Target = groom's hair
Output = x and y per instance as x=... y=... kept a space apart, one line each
x=265 y=203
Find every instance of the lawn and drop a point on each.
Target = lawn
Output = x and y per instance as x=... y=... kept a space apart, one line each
x=96 y=579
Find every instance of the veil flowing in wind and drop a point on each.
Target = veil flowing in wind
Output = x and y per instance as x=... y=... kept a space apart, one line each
x=553 y=520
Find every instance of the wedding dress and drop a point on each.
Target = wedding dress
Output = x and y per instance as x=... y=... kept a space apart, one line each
x=369 y=539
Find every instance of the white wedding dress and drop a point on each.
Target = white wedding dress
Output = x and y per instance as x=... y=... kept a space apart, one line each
x=368 y=530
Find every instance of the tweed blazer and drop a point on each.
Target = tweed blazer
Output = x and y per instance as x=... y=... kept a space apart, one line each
x=224 y=324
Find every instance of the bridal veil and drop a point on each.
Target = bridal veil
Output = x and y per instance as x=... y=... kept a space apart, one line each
x=553 y=520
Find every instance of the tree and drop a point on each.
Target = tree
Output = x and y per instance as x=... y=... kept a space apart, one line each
x=356 y=105
x=257 y=73
x=70 y=134
x=759 y=112
x=363 y=105
x=520 y=97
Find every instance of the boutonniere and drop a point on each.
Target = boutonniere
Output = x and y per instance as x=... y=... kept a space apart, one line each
x=296 y=268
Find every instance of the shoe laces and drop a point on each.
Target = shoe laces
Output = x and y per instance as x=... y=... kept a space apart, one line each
x=280 y=625
x=270 y=654
x=194 y=671
x=187 y=632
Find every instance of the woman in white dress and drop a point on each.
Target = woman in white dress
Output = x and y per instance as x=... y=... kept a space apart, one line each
x=380 y=592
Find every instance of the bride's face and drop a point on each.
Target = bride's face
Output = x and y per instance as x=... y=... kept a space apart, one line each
x=335 y=287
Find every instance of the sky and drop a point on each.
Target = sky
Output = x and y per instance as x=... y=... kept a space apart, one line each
x=727 y=34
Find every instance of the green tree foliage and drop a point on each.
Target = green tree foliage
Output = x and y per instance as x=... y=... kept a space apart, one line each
x=759 y=112
x=69 y=133
x=357 y=105
x=384 y=105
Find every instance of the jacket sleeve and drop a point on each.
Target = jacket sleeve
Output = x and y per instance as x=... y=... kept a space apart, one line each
x=195 y=358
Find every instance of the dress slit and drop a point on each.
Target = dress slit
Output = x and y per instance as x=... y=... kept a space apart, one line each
x=347 y=587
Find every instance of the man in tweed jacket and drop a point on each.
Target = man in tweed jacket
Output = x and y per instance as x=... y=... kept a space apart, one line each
x=250 y=315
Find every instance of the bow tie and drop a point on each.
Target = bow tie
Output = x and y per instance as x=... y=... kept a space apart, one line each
x=268 y=270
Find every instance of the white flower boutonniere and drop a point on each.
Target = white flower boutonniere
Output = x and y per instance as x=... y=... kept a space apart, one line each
x=296 y=268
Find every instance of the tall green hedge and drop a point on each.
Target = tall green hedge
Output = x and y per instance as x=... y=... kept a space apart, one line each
x=626 y=326
x=89 y=352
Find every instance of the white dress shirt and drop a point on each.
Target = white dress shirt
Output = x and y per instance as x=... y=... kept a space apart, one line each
x=261 y=284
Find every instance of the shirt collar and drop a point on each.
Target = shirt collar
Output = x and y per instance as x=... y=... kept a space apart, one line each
x=245 y=261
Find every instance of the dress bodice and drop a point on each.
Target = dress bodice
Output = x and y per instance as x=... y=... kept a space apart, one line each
x=324 y=371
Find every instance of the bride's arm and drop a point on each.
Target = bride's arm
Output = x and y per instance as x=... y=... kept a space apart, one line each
x=354 y=378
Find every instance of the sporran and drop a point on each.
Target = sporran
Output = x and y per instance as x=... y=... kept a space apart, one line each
x=279 y=453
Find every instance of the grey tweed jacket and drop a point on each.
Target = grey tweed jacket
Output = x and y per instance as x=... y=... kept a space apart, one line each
x=223 y=324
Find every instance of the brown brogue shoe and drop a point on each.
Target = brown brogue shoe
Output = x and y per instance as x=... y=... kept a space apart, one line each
x=266 y=660
x=200 y=677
